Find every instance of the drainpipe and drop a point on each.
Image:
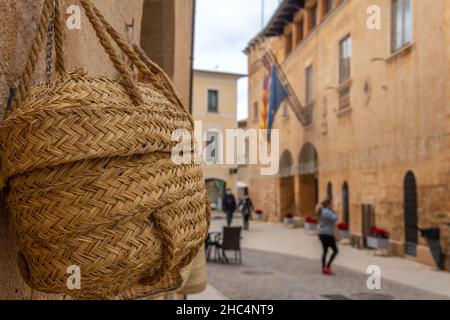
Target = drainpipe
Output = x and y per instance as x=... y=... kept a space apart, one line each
x=192 y=57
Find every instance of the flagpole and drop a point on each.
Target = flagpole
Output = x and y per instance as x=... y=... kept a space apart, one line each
x=262 y=14
x=292 y=98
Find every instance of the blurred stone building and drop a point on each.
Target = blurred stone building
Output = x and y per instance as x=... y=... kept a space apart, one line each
x=372 y=78
x=215 y=106
x=163 y=27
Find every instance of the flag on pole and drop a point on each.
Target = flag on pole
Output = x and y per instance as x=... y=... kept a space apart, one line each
x=277 y=94
x=265 y=100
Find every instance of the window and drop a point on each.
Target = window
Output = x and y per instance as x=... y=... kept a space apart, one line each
x=328 y=5
x=330 y=191
x=212 y=147
x=309 y=85
x=345 y=55
x=213 y=101
x=255 y=112
x=346 y=203
x=314 y=16
x=247 y=151
x=401 y=23
x=299 y=26
x=288 y=43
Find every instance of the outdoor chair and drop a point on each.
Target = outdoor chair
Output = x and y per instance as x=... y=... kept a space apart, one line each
x=231 y=240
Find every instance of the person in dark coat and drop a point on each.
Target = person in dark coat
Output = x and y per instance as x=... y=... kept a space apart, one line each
x=229 y=206
x=246 y=206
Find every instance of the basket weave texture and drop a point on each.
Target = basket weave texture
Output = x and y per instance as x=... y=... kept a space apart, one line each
x=91 y=182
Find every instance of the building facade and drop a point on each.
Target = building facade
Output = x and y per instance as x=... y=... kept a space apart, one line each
x=214 y=110
x=375 y=75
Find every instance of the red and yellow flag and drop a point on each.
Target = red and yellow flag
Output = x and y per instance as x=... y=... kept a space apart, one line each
x=265 y=100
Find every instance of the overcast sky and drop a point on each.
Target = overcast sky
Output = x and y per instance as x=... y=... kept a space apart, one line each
x=223 y=29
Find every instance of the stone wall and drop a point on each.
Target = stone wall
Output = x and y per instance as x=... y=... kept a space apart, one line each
x=167 y=39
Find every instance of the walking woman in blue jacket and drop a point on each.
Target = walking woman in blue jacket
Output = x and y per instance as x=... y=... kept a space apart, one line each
x=327 y=229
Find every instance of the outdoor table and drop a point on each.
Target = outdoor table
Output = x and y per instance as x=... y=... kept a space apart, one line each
x=211 y=242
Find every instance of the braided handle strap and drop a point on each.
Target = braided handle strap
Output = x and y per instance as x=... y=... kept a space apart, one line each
x=142 y=62
x=102 y=29
x=154 y=68
x=127 y=76
x=136 y=55
x=150 y=69
x=30 y=65
x=59 y=40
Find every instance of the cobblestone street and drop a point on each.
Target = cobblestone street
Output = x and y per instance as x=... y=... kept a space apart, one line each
x=283 y=263
x=265 y=275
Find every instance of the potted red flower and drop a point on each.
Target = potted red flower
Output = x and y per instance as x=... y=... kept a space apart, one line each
x=378 y=239
x=311 y=223
x=344 y=229
x=288 y=218
x=259 y=214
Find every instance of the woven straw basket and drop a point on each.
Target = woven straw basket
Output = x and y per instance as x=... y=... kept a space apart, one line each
x=90 y=179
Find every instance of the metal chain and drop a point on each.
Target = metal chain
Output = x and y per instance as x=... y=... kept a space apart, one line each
x=50 y=33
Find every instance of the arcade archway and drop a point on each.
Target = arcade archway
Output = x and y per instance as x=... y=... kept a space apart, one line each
x=330 y=190
x=410 y=211
x=287 y=193
x=215 y=189
x=346 y=203
x=309 y=180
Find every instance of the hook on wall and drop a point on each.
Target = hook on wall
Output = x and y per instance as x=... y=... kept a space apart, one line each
x=129 y=29
x=130 y=25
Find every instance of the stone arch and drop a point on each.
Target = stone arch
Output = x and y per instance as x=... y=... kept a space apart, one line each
x=410 y=205
x=286 y=163
x=286 y=184
x=346 y=202
x=308 y=191
x=330 y=190
x=308 y=159
x=215 y=188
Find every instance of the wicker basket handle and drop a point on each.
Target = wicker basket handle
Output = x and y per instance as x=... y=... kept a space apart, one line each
x=31 y=63
x=155 y=74
x=127 y=77
x=102 y=28
x=138 y=57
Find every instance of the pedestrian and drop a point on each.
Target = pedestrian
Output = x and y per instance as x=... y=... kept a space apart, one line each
x=229 y=206
x=327 y=229
x=246 y=206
